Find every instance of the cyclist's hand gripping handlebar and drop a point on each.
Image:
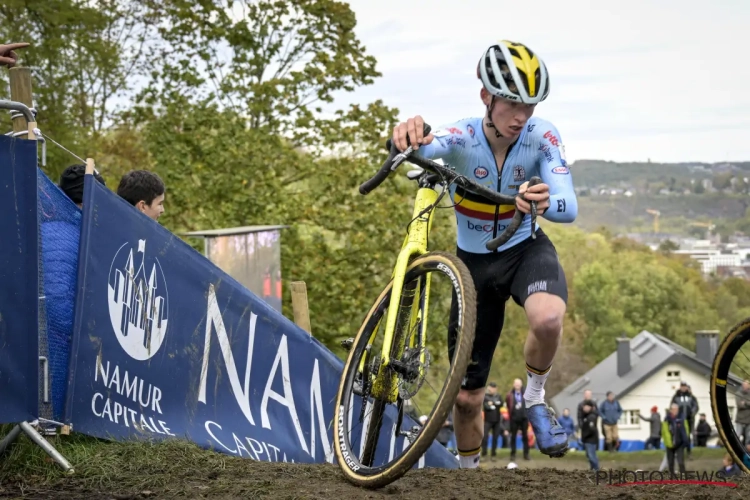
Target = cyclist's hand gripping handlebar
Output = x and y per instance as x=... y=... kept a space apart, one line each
x=515 y=223
x=394 y=160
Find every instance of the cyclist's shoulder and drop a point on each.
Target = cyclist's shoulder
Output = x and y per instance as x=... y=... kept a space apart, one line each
x=541 y=131
x=460 y=131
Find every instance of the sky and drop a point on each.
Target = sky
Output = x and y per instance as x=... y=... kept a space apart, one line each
x=664 y=80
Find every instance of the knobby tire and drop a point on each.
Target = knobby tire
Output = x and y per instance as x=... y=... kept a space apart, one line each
x=377 y=477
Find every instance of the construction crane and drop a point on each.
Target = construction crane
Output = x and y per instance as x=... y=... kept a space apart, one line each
x=656 y=215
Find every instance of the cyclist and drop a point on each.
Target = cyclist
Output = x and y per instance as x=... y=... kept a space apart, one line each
x=502 y=151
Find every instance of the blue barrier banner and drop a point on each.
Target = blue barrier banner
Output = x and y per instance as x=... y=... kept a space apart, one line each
x=166 y=344
x=19 y=281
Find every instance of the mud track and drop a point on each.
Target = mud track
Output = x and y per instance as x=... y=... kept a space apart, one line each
x=247 y=479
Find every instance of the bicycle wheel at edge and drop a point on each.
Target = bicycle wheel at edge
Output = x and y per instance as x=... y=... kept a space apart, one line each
x=379 y=476
x=730 y=346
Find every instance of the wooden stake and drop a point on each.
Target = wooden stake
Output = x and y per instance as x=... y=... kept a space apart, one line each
x=20 y=91
x=90 y=166
x=300 y=307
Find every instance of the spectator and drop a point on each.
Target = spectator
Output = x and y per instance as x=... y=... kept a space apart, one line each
x=570 y=428
x=702 y=431
x=590 y=433
x=688 y=405
x=742 y=420
x=518 y=419
x=587 y=396
x=654 y=438
x=145 y=191
x=8 y=56
x=492 y=404
x=730 y=468
x=610 y=411
x=676 y=431
x=71 y=182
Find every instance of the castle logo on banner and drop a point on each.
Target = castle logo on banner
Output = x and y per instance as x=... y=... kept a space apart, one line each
x=138 y=301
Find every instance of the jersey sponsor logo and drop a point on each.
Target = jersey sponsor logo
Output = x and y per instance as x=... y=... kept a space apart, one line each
x=454 y=130
x=455 y=141
x=560 y=170
x=486 y=228
x=531 y=127
x=481 y=172
x=441 y=133
x=547 y=154
x=519 y=173
x=551 y=138
x=471 y=130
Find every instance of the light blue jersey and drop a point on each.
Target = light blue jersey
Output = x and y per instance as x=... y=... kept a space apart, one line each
x=537 y=152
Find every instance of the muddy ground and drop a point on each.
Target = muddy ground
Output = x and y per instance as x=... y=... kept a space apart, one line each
x=289 y=481
x=118 y=471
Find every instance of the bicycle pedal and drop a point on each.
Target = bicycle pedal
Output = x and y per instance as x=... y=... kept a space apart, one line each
x=348 y=343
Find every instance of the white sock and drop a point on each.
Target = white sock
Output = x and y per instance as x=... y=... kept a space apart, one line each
x=535 y=380
x=468 y=459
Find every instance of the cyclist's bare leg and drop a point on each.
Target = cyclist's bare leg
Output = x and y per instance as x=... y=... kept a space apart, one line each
x=545 y=313
x=468 y=426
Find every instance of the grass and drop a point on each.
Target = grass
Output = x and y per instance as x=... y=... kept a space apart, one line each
x=137 y=466
x=104 y=465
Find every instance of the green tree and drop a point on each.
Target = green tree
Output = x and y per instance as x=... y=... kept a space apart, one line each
x=85 y=56
x=668 y=246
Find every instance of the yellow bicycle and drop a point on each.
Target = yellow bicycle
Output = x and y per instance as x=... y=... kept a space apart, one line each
x=387 y=370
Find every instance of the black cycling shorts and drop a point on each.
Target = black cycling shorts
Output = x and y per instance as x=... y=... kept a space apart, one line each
x=526 y=268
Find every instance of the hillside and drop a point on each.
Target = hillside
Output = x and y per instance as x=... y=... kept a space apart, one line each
x=595 y=173
x=618 y=195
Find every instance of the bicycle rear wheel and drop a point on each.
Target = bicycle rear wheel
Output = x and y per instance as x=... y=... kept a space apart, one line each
x=731 y=365
x=424 y=299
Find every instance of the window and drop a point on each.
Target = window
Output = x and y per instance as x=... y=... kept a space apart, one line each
x=629 y=419
x=673 y=375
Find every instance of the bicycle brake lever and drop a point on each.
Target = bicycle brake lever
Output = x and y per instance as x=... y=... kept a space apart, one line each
x=399 y=158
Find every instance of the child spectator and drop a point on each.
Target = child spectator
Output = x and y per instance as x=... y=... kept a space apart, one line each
x=730 y=468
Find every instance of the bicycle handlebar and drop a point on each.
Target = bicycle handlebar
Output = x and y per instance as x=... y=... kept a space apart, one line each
x=377 y=179
x=395 y=158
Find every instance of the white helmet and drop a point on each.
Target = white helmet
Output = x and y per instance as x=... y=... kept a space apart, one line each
x=512 y=71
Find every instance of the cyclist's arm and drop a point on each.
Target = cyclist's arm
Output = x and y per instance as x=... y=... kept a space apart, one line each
x=563 y=203
x=445 y=146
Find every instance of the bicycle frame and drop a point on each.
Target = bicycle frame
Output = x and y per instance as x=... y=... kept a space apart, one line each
x=415 y=244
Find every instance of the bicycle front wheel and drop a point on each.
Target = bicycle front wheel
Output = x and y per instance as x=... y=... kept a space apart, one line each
x=422 y=378
x=731 y=366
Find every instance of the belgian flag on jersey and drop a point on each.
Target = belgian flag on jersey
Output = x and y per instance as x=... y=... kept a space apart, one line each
x=472 y=205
